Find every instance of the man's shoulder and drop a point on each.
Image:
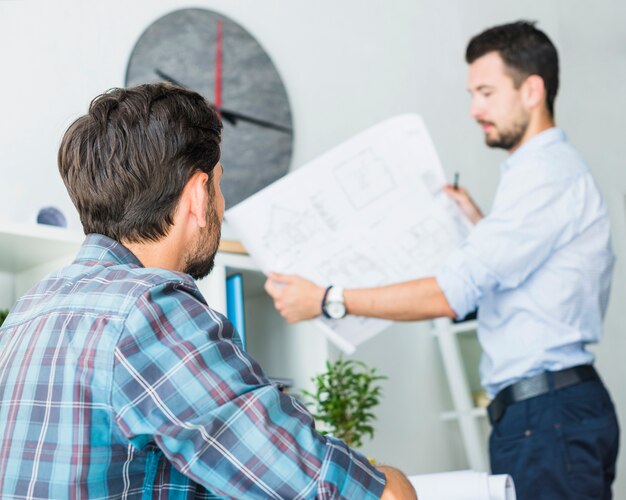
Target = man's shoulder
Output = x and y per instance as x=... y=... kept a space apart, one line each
x=560 y=161
x=103 y=287
x=558 y=165
x=148 y=276
x=134 y=282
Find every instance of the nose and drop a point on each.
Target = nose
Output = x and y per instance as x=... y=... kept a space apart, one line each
x=476 y=111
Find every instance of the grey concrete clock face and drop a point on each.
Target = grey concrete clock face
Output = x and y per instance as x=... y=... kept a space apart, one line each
x=213 y=55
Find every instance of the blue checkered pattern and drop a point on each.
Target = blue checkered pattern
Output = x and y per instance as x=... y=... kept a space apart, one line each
x=118 y=381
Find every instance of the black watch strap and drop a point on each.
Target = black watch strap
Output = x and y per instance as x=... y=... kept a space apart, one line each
x=324 y=301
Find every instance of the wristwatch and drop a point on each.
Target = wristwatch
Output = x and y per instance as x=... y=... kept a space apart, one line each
x=333 y=305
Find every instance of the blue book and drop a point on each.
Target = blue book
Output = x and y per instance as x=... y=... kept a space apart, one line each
x=234 y=305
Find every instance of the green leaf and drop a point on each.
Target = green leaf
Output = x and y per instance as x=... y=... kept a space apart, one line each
x=3 y=314
x=343 y=398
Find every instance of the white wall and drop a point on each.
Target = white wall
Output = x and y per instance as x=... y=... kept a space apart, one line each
x=6 y=290
x=346 y=64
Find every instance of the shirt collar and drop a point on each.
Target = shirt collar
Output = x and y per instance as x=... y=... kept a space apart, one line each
x=105 y=250
x=534 y=144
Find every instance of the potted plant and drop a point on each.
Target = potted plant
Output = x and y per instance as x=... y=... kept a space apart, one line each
x=344 y=398
x=3 y=314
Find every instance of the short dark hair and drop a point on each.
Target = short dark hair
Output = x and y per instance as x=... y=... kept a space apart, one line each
x=525 y=50
x=125 y=163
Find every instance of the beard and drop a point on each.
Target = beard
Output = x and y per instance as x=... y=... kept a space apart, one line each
x=510 y=137
x=200 y=260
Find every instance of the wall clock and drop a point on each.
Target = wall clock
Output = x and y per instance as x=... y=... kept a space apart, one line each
x=213 y=55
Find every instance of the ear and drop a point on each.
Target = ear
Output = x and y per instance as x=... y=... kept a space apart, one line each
x=533 y=92
x=195 y=196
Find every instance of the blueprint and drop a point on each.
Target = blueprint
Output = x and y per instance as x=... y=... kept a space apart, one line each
x=369 y=212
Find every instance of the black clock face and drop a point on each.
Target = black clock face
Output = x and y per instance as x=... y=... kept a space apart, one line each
x=213 y=55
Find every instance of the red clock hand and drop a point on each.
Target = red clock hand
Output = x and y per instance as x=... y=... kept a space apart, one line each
x=218 y=64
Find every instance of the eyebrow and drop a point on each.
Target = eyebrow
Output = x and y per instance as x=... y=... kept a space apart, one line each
x=484 y=86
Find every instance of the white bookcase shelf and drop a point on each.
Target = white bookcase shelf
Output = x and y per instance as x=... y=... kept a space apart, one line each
x=474 y=413
x=469 y=417
x=23 y=247
x=464 y=327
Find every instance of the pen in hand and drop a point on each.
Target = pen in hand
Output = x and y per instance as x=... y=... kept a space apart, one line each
x=455 y=185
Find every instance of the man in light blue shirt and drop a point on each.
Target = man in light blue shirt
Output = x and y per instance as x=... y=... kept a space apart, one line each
x=539 y=265
x=538 y=268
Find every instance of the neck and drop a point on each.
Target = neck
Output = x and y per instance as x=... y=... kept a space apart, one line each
x=162 y=254
x=539 y=122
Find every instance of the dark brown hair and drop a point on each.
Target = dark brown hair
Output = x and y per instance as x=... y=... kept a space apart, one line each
x=525 y=50
x=125 y=163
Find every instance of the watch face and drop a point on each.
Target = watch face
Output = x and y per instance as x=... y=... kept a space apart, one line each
x=336 y=310
x=213 y=55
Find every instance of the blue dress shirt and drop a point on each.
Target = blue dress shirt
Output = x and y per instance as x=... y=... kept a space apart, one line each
x=538 y=267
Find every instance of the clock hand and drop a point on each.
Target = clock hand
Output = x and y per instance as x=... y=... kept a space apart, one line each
x=168 y=78
x=231 y=116
x=218 y=64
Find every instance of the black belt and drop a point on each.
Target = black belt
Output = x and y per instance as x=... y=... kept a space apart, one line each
x=536 y=386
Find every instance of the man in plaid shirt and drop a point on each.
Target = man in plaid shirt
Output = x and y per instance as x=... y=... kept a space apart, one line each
x=117 y=380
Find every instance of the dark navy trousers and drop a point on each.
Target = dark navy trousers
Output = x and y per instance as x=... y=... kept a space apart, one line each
x=560 y=445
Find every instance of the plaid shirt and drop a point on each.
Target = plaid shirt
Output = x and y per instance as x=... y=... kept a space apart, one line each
x=118 y=381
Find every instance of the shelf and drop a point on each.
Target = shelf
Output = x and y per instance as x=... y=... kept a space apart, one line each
x=455 y=415
x=235 y=260
x=451 y=338
x=465 y=327
x=24 y=246
x=232 y=246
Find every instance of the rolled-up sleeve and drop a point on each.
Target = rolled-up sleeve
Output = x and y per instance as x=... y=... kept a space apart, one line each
x=182 y=382
x=526 y=226
x=463 y=280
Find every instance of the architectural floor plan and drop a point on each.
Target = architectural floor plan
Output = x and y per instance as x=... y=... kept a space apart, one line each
x=369 y=212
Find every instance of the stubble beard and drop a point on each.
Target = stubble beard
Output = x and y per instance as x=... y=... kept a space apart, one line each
x=509 y=138
x=201 y=258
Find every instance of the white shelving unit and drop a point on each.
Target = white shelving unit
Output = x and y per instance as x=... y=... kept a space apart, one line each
x=467 y=415
x=23 y=247
x=29 y=251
